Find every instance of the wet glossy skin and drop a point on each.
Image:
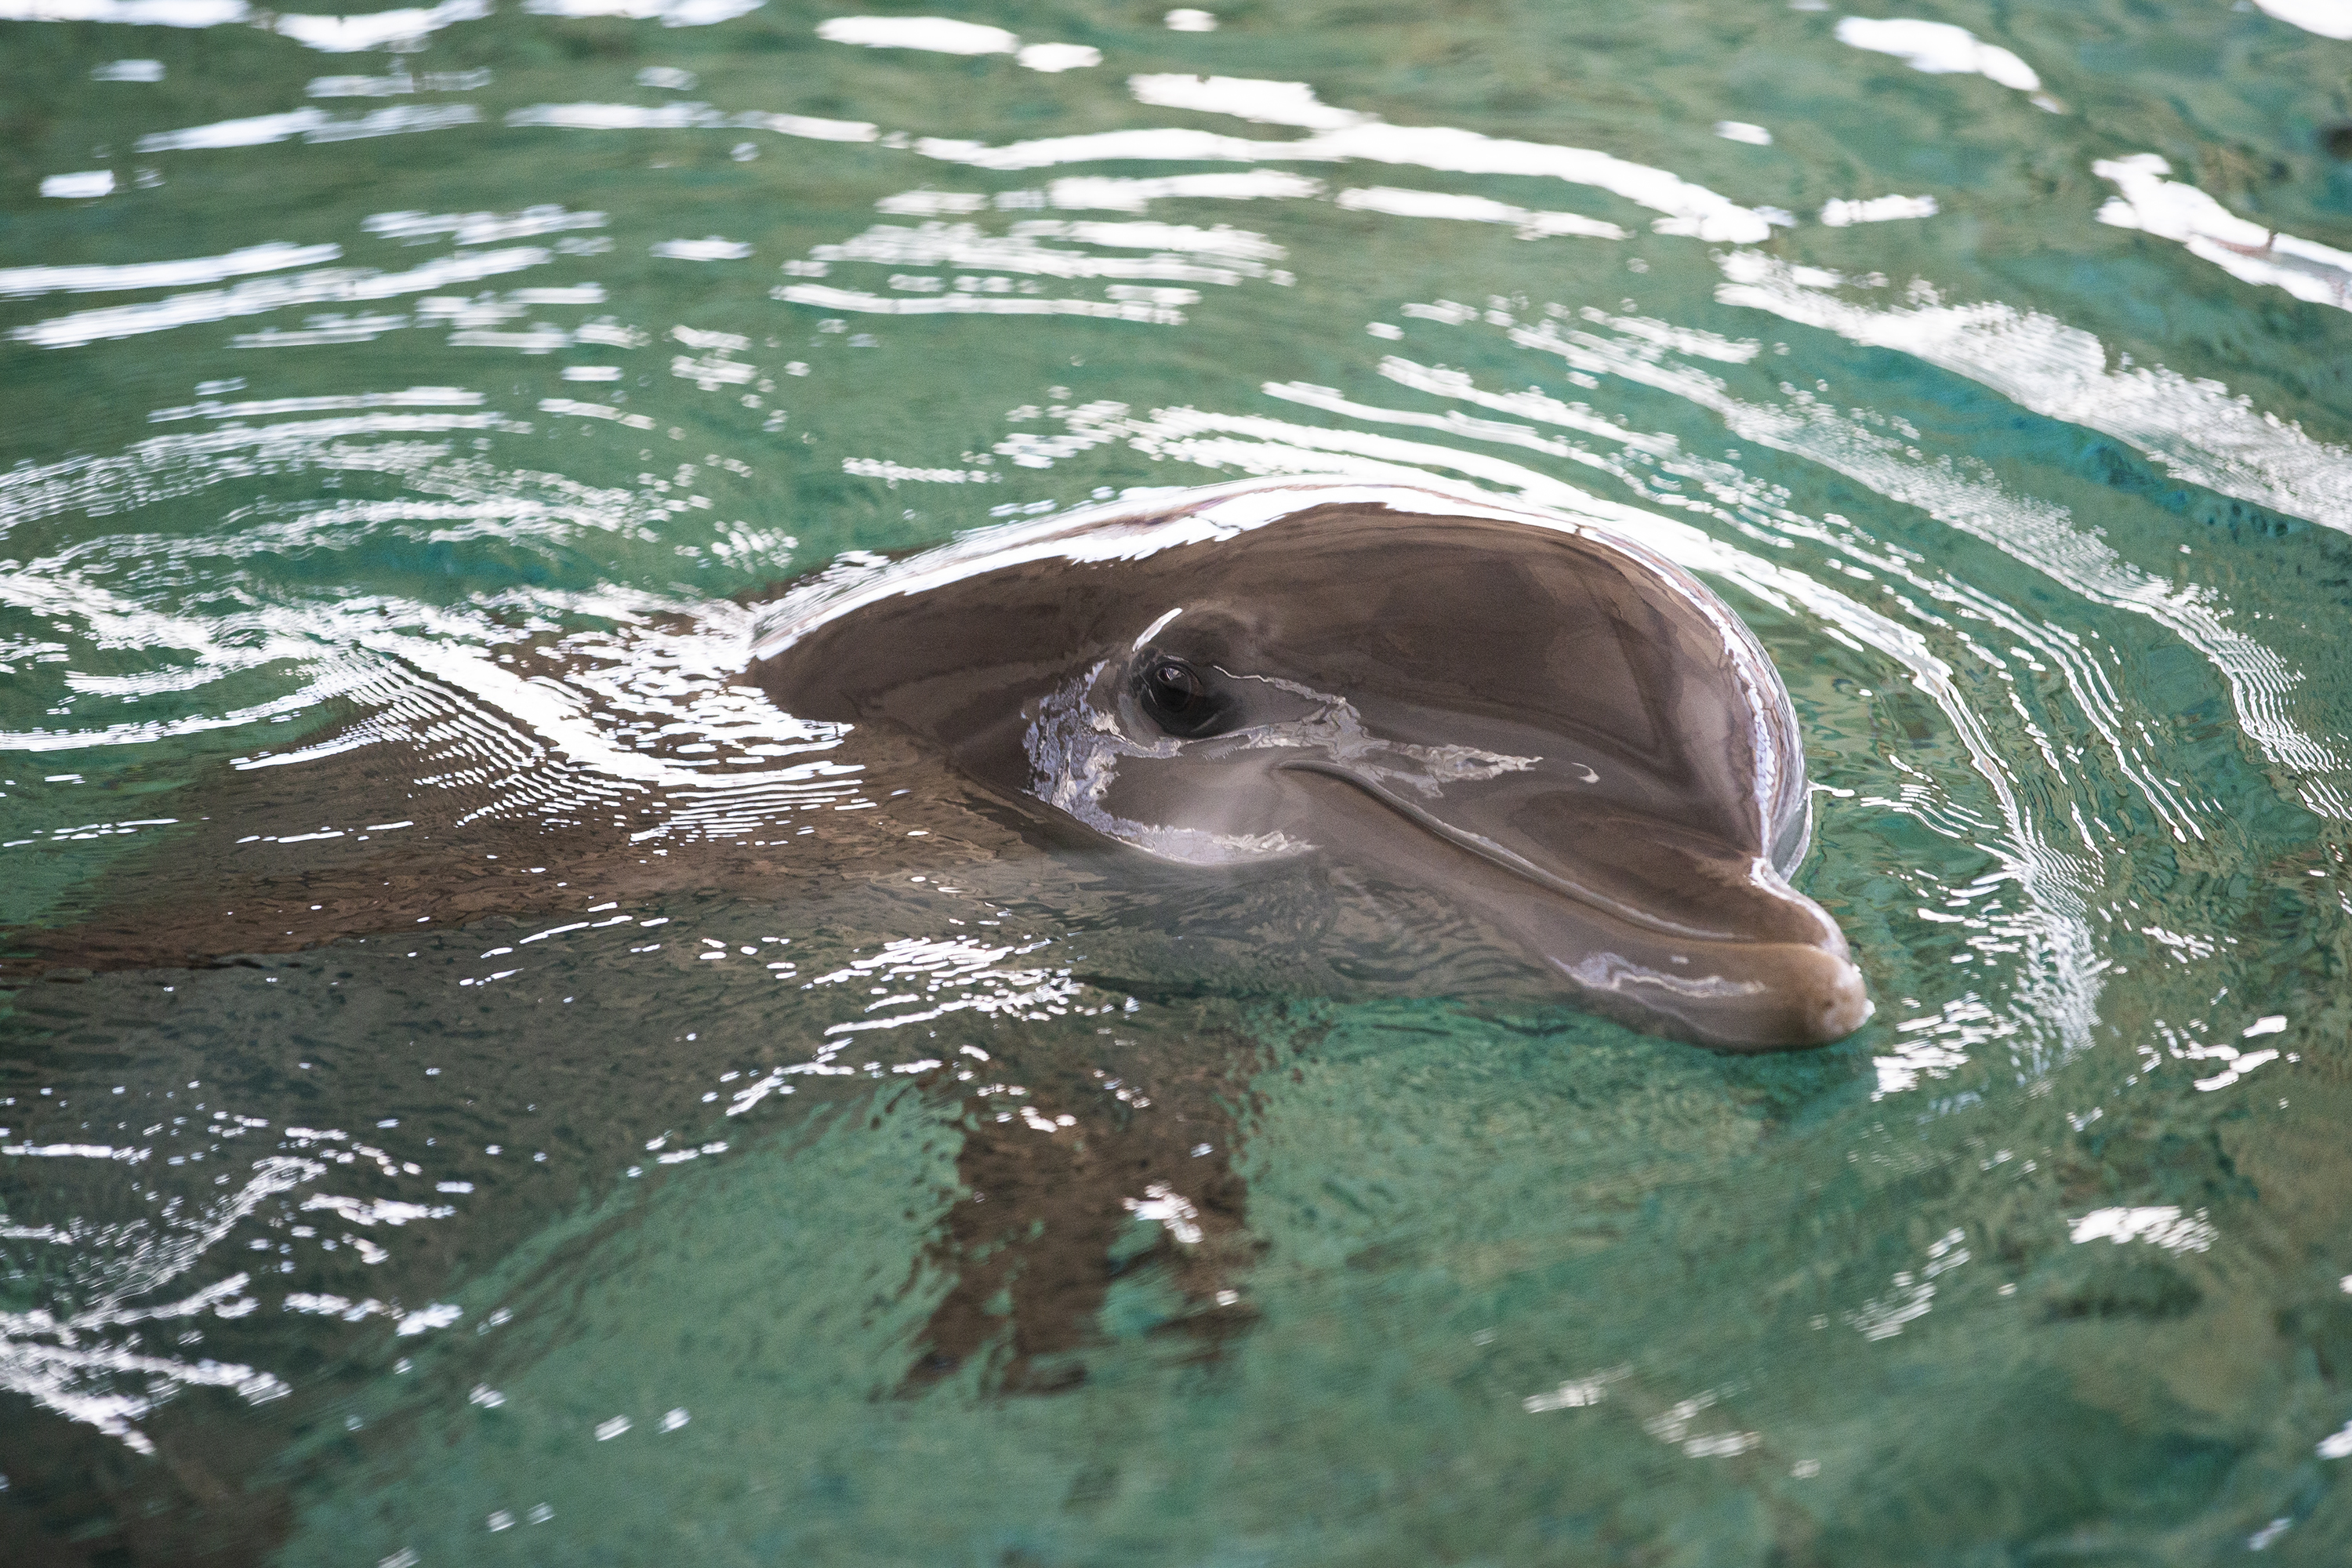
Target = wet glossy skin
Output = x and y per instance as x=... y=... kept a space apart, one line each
x=1570 y=737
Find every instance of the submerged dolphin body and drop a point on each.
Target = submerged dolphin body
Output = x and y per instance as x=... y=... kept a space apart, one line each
x=1565 y=733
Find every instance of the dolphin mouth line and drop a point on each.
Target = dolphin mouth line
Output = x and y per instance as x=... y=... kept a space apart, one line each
x=1607 y=972
x=1510 y=860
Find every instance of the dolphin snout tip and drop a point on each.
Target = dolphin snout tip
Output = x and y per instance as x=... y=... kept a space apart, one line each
x=1801 y=997
x=1839 y=1003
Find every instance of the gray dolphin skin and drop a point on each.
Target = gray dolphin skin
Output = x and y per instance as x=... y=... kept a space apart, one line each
x=1556 y=728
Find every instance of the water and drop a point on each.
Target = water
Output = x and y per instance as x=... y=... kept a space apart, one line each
x=429 y=400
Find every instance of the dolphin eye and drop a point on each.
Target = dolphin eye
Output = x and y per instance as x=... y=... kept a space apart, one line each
x=1177 y=696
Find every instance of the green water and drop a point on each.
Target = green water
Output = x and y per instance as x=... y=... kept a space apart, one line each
x=2043 y=518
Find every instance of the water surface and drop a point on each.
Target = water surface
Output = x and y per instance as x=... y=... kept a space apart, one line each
x=402 y=413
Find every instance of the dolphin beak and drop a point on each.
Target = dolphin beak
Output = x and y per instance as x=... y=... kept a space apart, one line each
x=1834 y=1003
x=1671 y=933
x=1734 y=996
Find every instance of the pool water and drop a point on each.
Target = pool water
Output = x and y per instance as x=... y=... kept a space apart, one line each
x=404 y=415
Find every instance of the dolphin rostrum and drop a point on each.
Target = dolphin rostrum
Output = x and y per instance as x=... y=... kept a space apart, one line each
x=1560 y=730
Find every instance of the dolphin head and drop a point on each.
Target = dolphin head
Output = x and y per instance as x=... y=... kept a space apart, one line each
x=1555 y=727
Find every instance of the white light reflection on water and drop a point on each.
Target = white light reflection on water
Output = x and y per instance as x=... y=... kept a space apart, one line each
x=28 y=282
x=1939 y=48
x=1229 y=256
x=2040 y=534
x=1121 y=192
x=477 y=228
x=1239 y=254
x=649 y=709
x=2194 y=428
x=946 y=35
x=711 y=249
x=1342 y=134
x=669 y=13
x=1474 y=209
x=326 y=286
x=1876 y=209
x=331 y=35
x=313 y=126
x=364 y=30
x=108 y=1291
x=2328 y=18
x=80 y=1354
x=270 y=408
x=975 y=971
x=939 y=35
x=398 y=83
x=2163 y=1226
x=688 y=117
x=84 y=185
x=2147 y=200
x=128 y=13
x=1911 y=1294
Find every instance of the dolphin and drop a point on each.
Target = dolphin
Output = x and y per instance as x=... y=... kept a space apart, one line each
x=1537 y=722
x=1544 y=720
